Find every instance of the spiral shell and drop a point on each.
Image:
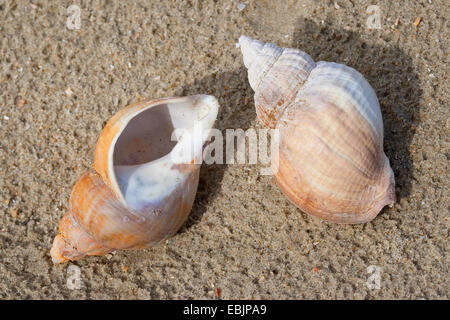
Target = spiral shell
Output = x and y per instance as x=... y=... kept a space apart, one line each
x=142 y=185
x=330 y=162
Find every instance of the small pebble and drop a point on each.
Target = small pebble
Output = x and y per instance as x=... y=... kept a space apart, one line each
x=21 y=103
x=241 y=6
x=13 y=213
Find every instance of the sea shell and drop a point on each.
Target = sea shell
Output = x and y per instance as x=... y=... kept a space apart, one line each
x=330 y=161
x=142 y=185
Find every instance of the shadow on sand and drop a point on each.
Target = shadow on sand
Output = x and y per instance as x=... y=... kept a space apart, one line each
x=387 y=68
x=236 y=111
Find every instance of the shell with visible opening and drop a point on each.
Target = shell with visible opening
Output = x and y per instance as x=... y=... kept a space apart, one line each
x=144 y=179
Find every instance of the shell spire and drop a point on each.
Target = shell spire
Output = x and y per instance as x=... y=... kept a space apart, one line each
x=275 y=75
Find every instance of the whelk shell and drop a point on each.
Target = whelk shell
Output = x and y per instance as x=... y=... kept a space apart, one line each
x=330 y=162
x=136 y=195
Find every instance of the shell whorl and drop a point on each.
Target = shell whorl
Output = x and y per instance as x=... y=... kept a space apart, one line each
x=275 y=75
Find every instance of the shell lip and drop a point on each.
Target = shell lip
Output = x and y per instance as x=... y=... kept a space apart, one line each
x=206 y=117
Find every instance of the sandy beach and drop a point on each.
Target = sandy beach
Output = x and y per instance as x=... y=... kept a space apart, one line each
x=59 y=85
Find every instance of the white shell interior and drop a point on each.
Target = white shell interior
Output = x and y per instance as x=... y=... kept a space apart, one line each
x=144 y=152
